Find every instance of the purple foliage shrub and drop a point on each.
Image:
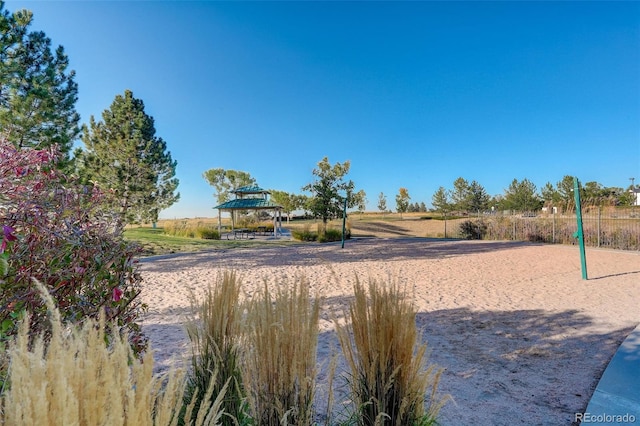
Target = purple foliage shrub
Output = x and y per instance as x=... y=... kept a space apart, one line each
x=64 y=235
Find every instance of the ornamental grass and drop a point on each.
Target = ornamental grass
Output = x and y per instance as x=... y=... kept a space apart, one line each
x=215 y=332
x=85 y=376
x=280 y=355
x=390 y=381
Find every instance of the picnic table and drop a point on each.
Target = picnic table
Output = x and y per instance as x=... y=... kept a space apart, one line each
x=241 y=233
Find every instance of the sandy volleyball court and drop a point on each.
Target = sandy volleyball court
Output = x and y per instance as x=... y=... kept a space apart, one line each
x=522 y=337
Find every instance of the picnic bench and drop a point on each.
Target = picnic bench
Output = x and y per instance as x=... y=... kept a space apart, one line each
x=241 y=233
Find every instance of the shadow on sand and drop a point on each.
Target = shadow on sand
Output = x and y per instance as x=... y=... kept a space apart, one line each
x=356 y=250
x=509 y=367
x=501 y=367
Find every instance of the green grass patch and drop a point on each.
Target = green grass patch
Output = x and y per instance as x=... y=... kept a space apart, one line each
x=156 y=242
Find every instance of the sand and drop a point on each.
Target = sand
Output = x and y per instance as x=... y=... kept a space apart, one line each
x=522 y=337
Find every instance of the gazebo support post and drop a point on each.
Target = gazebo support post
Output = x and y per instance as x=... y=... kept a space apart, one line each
x=275 y=223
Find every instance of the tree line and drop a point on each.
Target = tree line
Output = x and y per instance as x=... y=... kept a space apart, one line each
x=329 y=191
x=121 y=154
x=523 y=195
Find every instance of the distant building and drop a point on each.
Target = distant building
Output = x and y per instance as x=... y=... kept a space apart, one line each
x=635 y=196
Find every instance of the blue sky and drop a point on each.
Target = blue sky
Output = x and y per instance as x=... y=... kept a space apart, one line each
x=413 y=94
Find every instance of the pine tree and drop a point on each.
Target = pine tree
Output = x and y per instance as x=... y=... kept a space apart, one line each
x=522 y=196
x=440 y=200
x=37 y=92
x=460 y=195
x=122 y=154
x=478 y=199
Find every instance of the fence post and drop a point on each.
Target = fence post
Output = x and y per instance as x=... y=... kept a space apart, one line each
x=553 y=227
x=599 y=221
x=445 y=225
x=514 y=226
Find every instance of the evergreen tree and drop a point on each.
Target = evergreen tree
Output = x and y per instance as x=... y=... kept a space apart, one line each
x=37 y=92
x=460 y=195
x=522 y=196
x=550 y=195
x=565 y=192
x=440 y=200
x=122 y=154
x=477 y=199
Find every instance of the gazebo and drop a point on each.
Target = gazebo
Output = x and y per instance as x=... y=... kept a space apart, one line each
x=250 y=198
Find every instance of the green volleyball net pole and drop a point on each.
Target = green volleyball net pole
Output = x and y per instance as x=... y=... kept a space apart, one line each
x=344 y=221
x=580 y=232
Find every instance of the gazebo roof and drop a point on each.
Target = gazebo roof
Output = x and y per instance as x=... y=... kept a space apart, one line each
x=248 y=204
x=251 y=189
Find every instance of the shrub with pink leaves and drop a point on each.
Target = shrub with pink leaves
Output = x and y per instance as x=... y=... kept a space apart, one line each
x=64 y=235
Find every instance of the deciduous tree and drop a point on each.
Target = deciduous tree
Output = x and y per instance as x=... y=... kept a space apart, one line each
x=226 y=181
x=123 y=154
x=289 y=202
x=402 y=200
x=360 y=200
x=329 y=190
x=382 y=202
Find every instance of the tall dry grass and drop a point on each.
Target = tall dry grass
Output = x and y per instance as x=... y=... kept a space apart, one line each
x=390 y=381
x=280 y=359
x=199 y=229
x=80 y=377
x=215 y=332
x=254 y=363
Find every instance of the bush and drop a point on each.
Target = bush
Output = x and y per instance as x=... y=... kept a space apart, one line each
x=60 y=233
x=207 y=233
x=473 y=230
x=305 y=234
x=330 y=235
x=187 y=230
x=326 y=236
x=388 y=381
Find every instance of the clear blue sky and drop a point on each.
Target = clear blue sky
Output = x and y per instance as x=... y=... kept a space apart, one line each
x=414 y=94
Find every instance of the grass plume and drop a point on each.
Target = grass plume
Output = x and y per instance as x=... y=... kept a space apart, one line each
x=389 y=378
x=280 y=359
x=215 y=334
x=85 y=376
